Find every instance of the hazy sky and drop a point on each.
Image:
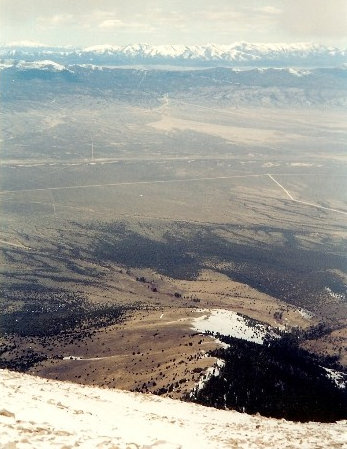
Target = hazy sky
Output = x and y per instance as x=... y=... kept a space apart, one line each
x=88 y=22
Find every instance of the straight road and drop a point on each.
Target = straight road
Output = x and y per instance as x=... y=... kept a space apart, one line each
x=290 y=196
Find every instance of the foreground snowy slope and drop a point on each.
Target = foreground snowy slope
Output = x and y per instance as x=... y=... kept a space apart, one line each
x=39 y=413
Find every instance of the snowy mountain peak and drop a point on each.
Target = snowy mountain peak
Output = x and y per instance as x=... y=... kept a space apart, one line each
x=239 y=53
x=101 y=49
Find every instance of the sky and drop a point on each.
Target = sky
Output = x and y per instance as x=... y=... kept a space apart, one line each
x=83 y=23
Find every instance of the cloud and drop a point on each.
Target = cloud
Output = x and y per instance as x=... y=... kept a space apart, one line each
x=269 y=10
x=87 y=22
x=26 y=44
x=240 y=21
x=117 y=24
x=54 y=21
x=217 y=17
x=110 y=23
x=315 y=18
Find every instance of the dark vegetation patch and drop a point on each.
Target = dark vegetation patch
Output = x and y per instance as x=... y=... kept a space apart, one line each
x=37 y=293
x=36 y=332
x=169 y=257
x=38 y=320
x=286 y=271
x=24 y=361
x=48 y=321
x=50 y=310
x=277 y=379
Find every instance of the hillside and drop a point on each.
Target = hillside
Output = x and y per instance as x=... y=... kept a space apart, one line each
x=156 y=90
x=39 y=413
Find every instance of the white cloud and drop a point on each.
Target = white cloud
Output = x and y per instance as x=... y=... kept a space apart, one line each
x=217 y=17
x=110 y=23
x=88 y=22
x=54 y=21
x=271 y=10
x=315 y=18
x=26 y=44
x=117 y=24
x=240 y=21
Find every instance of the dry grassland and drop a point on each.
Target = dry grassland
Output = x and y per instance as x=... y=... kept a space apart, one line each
x=156 y=350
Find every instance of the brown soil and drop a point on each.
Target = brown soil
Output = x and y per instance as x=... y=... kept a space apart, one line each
x=155 y=348
x=328 y=344
x=151 y=351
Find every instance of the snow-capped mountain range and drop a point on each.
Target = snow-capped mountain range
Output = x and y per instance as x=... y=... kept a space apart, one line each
x=237 y=54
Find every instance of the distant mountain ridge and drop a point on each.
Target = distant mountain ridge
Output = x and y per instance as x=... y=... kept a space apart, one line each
x=236 y=54
x=223 y=85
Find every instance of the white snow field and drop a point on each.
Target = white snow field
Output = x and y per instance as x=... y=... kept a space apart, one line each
x=226 y=322
x=41 y=414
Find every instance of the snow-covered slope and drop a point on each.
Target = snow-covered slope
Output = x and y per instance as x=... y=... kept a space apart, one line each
x=240 y=53
x=226 y=322
x=47 y=65
x=42 y=414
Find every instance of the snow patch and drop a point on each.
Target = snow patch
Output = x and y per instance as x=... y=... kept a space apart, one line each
x=338 y=377
x=301 y=164
x=226 y=322
x=91 y=67
x=305 y=313
x=213 y=371
x=299 y=73
x=339 y=296
x=41 y=65
x=106 y=48
x=5 y=64
x=270 y=164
